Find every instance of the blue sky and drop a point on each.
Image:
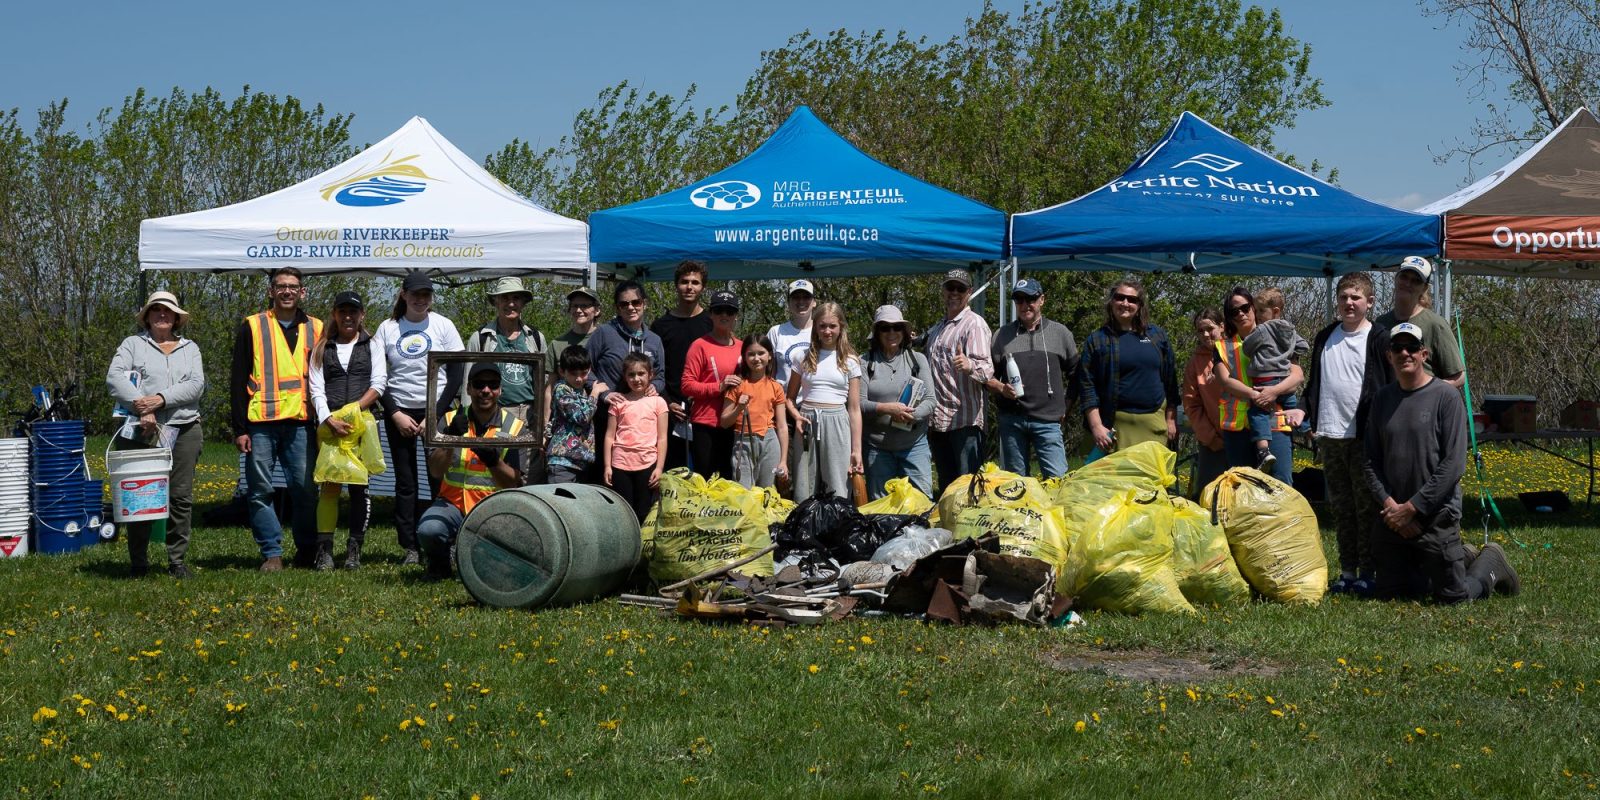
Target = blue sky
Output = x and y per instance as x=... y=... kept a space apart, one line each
x=484 y=73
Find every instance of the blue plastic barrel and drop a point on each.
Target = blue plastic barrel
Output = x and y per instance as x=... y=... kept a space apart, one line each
x=56 y=534
x=94 y=503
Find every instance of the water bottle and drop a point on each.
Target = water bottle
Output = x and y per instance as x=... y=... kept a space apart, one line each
x=1013 y=375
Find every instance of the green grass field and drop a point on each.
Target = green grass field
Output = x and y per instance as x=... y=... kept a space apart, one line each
x=374 y=683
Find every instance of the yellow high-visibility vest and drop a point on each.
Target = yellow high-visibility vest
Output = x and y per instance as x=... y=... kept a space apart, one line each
x=469 y=481
x=278 y=385
x=1233 y=413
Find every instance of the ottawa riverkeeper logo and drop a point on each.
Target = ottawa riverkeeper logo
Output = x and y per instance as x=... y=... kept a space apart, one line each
x=725 y=195
x=392 y=181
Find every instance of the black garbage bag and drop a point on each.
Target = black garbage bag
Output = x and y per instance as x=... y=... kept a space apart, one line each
x=869 y=533
x=816 y=527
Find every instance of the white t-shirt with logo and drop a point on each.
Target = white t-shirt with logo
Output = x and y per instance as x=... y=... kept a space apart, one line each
x=791 y=344
x=406 y=346
x=1343 y=362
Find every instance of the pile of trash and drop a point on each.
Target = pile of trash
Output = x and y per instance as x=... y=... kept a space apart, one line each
x=996 y=547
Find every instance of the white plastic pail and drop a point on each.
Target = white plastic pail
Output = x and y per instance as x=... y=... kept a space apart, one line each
x=138 y=480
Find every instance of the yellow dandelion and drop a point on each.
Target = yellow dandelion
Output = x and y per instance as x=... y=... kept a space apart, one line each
x=44 y=713
x=1079 y=726
x=608 y=724
x=813 y=669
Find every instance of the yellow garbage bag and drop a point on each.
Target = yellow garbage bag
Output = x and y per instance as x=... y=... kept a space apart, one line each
x=900 y=497
x=1272 y=532
x=1123 y=560
x=700 y=525
x=340 y=459
x=966 y=491
x=1081 y=493
x=1201 y=558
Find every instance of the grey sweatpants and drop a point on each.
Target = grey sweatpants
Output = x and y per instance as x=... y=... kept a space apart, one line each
x=755 y=458
x=825 y=463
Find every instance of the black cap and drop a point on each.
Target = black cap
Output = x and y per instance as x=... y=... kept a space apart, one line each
x=417 y=280
x=722 y=298
x=348 y=299
x=484 y=366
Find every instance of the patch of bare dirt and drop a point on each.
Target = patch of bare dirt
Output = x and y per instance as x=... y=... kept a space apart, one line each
x=1158 y=667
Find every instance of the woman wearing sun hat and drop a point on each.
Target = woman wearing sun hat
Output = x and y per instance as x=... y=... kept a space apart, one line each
x=157 y=379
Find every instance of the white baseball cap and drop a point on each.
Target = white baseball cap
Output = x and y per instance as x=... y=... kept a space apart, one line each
x=802 y=285
x=1421 y=266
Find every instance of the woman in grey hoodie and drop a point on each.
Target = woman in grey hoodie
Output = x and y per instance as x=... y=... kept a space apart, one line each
x=157 y=379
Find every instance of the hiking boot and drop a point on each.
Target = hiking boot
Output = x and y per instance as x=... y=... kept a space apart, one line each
x=324 y=560
x=352 y=556
x=411 y=559
x=178 y=571
x=273 y=564
x=1265 y=460
x=1472 y=551
x=1495 y=571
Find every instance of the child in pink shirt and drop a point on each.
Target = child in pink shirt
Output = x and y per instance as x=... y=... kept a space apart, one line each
x=636 y=437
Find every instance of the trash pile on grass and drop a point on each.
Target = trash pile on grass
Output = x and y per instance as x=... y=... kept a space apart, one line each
x=996 y=547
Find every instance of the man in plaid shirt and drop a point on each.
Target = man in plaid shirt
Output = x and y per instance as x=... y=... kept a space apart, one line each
x=960 y=365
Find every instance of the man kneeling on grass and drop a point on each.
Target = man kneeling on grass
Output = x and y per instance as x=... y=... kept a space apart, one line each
x=1416 y=443
x=470 y=473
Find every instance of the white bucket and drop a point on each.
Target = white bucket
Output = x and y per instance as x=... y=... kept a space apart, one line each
x=138 y=480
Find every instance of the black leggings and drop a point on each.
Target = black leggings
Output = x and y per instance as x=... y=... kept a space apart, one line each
x=634 y=486
x=712 y=450
x=403 y=460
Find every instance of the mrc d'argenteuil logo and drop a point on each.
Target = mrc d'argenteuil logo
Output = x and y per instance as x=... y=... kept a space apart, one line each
x=391 y=181
x=725 y=195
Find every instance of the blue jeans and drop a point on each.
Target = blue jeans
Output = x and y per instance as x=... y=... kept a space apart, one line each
x=1241 y=449
x=1263 y=422
x=436 y=532
x=956 y=452
x=1018 y=433
x=288 y=444
x=914 y=462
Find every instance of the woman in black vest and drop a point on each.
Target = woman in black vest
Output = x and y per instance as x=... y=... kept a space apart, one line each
x=347 y=366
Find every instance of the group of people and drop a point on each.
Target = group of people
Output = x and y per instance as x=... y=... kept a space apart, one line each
x=799 y=408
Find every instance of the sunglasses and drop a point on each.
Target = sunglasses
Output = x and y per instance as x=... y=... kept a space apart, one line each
x=1405 y=347
x=476 y=385
x=1238 y=310
x=1128 y=298
x=630 y=303
x=725 y=311
x=954 y=288
x=888 y=328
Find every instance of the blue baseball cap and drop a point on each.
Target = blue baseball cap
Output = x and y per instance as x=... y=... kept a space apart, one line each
x=1027 y=287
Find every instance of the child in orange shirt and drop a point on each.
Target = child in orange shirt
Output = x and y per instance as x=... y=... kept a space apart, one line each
x=757 y=409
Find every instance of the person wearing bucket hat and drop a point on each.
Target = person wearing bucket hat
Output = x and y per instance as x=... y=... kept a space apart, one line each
x=1411 y=304
x=271 y=413
x=509 y=332
x=895 y=406
x=412 y=331
x=157 y=379
x=1045 y=358
x=347 y=367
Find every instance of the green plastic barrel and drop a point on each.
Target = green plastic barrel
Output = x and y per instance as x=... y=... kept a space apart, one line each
x=538 y=546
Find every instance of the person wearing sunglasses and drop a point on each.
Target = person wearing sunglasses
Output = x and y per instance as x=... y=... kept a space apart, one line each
x=1046 y=357
x=1411 y=304
x=272 y=418
x=710 y=369
x=470 y=473
x=1128 y=375
x=1232 y=371
x=896 y=406
x=610 y=344
x=1416 y=447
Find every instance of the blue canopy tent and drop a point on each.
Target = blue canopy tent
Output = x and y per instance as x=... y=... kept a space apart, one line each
x=1201 y=200
x=806 y=203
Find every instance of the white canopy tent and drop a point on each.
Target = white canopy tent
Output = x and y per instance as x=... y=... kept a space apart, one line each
x=411 y=201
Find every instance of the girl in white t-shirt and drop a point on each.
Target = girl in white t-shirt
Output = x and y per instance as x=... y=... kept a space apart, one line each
x=413 y=331
x=829 y=378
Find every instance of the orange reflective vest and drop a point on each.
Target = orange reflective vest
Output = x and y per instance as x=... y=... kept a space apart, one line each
x=468 y=481
x=278 y=386
x=1233 y=412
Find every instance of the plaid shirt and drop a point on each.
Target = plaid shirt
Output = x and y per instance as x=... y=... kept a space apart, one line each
x=958 y=398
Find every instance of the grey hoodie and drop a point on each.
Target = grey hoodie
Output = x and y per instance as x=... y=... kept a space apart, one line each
x=179 y=378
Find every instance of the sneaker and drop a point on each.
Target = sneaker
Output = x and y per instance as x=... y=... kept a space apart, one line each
x=412 y=558
x=437 y=572
x=1495 y=571
x=324 y=560
x=1341 y=586
x=274 y=564
x=1265 y=460
x=1472 y=551
x=352 y=556
x=178 y=571
x=1363 y=587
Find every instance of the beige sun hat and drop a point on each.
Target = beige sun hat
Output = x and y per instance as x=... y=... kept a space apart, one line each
x=163 y=299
